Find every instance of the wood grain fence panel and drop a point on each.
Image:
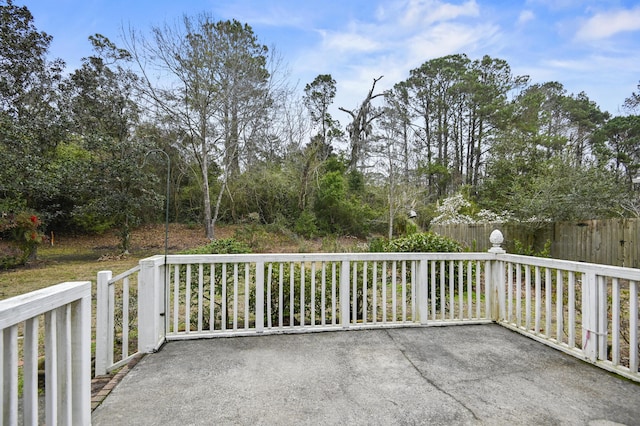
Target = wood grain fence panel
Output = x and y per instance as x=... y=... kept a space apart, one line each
x=610 y=241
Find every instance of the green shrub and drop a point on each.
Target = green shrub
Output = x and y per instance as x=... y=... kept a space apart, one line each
x=426 y=242
x=221 y=246
x=520 y=248
x=306 y=225
x=378 y=245
x=339 y=211
x=287 y=289
x=22 y=230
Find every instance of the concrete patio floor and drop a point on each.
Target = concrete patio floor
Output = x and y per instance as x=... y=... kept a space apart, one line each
x=481 y=374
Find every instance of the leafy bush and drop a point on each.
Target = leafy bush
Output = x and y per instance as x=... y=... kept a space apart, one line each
x=520 y=248
x=221 y=246
x=426 y=242
x=22 y=231
x=337 y=210
x=287 y=290
x=306 y=225
x=378 y=245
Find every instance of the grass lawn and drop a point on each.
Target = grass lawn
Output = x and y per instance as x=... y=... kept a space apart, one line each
x=79 y=258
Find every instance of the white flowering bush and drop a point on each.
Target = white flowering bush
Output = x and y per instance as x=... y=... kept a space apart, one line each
x=449 y=212
x=487 y=216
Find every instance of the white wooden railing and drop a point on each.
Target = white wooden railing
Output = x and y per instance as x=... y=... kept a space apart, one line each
x=589 y=311
x=65 y=311
x=586 y=310
x=210 y=295
x=116 y=319
x=230 y=295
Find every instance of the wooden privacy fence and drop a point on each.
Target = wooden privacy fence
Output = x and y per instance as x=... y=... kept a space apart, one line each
x=610 y=242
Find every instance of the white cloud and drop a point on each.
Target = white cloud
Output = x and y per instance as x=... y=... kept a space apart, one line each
x=525 y=16
x=402 y=35
x=413 y=13
x=349 y=42
x=406 y=31
x=586 y=64
x=607 y=24
x=448 y=38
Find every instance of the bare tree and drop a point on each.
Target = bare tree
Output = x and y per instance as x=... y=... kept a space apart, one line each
x=361 y=125
x=208 y=79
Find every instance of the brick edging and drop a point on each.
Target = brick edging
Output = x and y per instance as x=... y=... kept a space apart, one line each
x=97 y=399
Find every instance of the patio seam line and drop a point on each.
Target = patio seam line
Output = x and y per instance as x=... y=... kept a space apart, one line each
x=100 y=396
x=425 y=378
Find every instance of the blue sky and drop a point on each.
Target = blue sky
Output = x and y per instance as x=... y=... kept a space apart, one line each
x=587 y=45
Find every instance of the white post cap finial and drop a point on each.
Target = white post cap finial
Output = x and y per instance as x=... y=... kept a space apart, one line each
x=496 y=239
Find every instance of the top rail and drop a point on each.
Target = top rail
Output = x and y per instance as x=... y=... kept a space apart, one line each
x=569 y=265
x=315 y=257
x=125 y=274
x=561 y=303
x=64 y=310
x=23 y=307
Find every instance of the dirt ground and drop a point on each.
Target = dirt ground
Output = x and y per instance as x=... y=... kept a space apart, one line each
x=145 y=238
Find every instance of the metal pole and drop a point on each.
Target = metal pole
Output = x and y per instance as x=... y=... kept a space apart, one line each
x=166 y=233
x=166 y=214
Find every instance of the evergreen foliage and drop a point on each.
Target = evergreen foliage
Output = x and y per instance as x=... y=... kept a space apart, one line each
x=427 y=242
x=459 y=140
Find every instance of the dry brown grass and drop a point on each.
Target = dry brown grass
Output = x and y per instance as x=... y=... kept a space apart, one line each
x=79 y=258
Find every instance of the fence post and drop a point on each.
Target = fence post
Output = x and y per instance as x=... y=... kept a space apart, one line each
x=102 y=322
x=497 y=280
x=345 y=300
x=590 y=336
x=150 y=306
x=259 y=296
x=423 y=291
x=81 y=359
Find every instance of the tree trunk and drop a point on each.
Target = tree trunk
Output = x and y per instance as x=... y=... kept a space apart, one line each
x=204 y=167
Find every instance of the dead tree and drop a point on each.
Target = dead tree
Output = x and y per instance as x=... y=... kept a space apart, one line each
x=361 y=125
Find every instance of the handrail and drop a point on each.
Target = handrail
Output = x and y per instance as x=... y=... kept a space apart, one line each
x=569 y=265
x=561 y=303
x=124 y=274
x=67 y=339
x=587 y=310
x=307 y=257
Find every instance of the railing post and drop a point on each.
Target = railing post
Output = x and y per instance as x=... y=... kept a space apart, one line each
x=150 y=306
x=423 y=291
x=345 y=312
x=260 y=296
x=81 y=359
x=497 y=280
x=590 y=332
x=102 y=326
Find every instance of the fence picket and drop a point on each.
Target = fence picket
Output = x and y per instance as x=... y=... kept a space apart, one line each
x=200 y=295
x=538 y=300
x=571 y=282
x=559 y=306
x=615 y=321
x=187 y=298
x=552 y=305
x=604 y=241
x=633 y=326
x=547 y=301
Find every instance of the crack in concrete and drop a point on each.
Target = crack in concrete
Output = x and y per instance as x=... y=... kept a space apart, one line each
x=431 y=382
